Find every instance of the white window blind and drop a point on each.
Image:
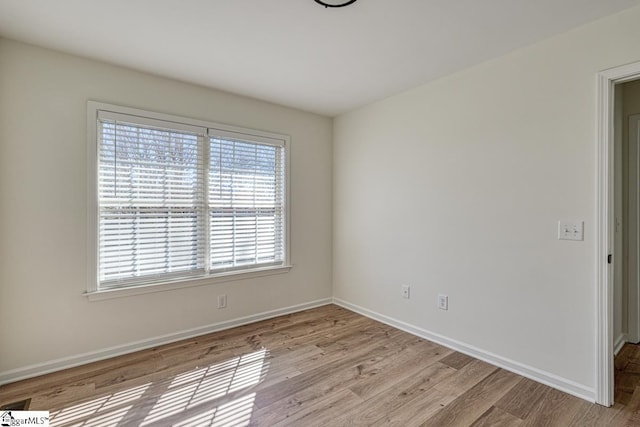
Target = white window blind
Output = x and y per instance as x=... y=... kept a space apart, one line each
x=177 y=201
x=152 y=212
x=246 y=203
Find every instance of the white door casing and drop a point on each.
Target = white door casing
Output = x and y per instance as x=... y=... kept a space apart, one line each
x=605 y=227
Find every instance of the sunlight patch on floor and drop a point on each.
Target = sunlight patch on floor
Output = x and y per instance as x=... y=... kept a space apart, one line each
x=67 y=416
x=205 y=396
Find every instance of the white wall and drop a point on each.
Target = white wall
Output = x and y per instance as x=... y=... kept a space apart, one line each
x=43 y=314
x=456 y=187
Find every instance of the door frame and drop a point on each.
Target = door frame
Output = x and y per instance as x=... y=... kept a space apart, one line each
x=605 y=226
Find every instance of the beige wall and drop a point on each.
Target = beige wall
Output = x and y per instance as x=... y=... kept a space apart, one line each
x=457 y=186
x=43 y=314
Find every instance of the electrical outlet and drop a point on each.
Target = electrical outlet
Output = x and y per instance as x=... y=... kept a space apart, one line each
x=406 y=291
x=222 y=301
x=443 y=302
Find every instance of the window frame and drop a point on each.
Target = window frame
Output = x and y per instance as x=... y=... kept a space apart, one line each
x=94 y=292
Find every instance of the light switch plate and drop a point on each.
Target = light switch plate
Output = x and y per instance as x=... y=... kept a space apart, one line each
x=570 y=230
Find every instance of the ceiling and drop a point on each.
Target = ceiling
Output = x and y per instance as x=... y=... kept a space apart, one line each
x=296 y=52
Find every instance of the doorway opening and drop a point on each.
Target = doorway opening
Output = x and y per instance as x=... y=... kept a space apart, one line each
x=618 y=223
x=626 y=245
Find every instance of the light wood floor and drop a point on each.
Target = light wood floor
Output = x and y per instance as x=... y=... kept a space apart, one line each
x=627 y=374
x=326 y=366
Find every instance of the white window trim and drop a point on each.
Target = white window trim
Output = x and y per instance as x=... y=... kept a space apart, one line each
x=93 y=292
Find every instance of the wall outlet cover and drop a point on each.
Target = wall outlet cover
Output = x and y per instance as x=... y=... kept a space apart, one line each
x=406 y=291
x=443 y=302
x=222 y=301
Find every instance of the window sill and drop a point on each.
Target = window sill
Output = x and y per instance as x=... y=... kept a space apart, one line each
x=185 y=283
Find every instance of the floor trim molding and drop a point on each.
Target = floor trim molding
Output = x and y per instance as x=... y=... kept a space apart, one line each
x=620 y=342
x=94 y=356
x=547 y=378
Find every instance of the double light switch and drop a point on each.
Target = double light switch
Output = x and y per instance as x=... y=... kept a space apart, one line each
x=570 y=230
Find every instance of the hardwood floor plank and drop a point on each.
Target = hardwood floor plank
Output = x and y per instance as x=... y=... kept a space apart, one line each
x=623 y=387
x=400 y=403
x=466 y=378
x=627 y=382
x=634 y=355
x=596 y=416
x=301 y=399
x=496 y=417
x=131 y=371
x=310 y=332
x=407 y=363
x=523 y=398
x=322 y=412
x=630 y=416
x=415 y=411
x=457 y=360
x=622 y=359
x=555 y=409
x=325 y=382
x=324 y=366
x=309 y=379
x=471 y=405
x=58 y=396
x=341 y=339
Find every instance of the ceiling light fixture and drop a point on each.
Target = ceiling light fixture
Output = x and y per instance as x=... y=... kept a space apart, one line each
x=335 y=3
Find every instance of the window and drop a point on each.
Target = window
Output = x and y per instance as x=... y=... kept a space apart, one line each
x=182 y=201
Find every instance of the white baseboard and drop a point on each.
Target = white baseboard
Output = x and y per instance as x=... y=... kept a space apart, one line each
x=620 y=341
x=94 y=356
x=547 y=378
